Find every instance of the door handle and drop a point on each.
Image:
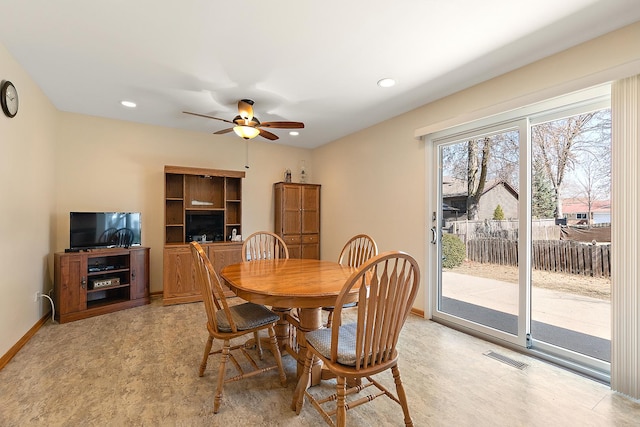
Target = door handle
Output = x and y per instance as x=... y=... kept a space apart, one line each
x=434 y=235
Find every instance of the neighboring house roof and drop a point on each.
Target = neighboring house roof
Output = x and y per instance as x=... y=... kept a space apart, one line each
x=456 y=187
x=580 y=205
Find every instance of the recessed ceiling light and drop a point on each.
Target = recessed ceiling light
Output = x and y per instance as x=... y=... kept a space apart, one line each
x=128 y=104
x=386 y=82
x=294 y=133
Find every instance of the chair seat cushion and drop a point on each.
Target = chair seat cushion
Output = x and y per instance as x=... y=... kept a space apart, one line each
x=347 y=305
x=246 y=316
x=321 y=340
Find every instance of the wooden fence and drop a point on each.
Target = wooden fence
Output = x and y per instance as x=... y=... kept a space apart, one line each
x=548 y=255
x=542 y=229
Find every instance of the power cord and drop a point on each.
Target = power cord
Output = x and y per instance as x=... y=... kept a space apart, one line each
x=53 y=308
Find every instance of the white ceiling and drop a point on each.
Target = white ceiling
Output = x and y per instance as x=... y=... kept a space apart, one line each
x=312 y=61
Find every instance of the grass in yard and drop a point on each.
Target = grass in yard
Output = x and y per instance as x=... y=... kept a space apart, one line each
x=594 y=287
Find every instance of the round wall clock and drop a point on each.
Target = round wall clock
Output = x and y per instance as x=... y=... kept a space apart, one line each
x=9 y=99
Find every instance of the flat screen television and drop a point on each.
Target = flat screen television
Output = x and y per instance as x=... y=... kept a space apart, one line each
x=205 y=226
x=104 y=229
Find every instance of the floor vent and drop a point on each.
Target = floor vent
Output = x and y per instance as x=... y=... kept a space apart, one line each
x=504 y=359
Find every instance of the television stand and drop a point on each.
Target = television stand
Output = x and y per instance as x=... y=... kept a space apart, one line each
x=100 y=281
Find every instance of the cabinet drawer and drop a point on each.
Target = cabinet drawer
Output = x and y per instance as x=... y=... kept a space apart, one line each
x=310 y=238
x=292 y=239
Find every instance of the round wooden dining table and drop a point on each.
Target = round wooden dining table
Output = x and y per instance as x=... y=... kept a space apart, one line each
x=304 y=284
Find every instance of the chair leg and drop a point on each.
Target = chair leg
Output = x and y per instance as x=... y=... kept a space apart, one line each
x=402 y=397
x=276 y=354
x=341 y=410
x=256 y=338
x=329 y=318
x=207 y=350
x=303 y=384
x=217 y=399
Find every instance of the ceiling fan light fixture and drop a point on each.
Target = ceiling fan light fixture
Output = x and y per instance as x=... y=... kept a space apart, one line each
x=246 y=132
x=245 y=109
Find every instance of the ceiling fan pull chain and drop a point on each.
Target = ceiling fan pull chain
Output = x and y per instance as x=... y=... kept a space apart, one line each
x=246 y=162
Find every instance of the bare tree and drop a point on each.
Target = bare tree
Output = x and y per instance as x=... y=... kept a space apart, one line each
x=592 y=182
x=481 y=160
x=557 y=144
x=477 y=166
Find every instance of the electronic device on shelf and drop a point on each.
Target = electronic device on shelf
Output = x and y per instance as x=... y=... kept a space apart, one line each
x=104 y=282
x=91 y=230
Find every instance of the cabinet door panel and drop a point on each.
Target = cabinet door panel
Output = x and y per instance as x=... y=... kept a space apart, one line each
x=310 y=202
x=295 y=251
x=291 y=220
x=179 y=275
x=139 y=271
x=310 y=251
x=73 y=284
x=310 y=222
x=223 y=255
x=310 y=197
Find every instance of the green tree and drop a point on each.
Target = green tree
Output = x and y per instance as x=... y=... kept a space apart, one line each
x=543 y=202
x=498 y=213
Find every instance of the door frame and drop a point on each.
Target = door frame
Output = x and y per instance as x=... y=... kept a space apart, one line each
x=525 y=116
x=433 y=144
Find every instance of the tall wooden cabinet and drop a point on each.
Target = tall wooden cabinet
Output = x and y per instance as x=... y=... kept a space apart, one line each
x=100 y=281
x=297 y=218
x=203 y=205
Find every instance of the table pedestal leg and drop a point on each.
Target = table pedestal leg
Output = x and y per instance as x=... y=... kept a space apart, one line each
x=310 y=320
x=282 y=327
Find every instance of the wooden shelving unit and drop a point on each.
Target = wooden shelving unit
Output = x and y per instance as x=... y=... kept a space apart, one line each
x=199 y=202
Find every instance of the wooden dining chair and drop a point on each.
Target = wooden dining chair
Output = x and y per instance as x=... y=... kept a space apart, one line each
x=356 y=251
x=225 y=322
x=264 y=245
x=388 y=285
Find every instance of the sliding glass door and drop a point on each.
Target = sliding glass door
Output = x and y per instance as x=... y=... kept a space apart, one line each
x=479 y=228
x=571 y=234
x=520 y=231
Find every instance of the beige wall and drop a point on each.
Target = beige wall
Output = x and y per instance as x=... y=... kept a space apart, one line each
x=374 y=180
x=27 y=197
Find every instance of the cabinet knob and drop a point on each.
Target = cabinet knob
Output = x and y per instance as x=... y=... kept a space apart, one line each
x=133 y=274
x=83 y=282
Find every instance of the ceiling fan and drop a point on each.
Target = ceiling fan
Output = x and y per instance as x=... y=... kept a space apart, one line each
x=247 y=126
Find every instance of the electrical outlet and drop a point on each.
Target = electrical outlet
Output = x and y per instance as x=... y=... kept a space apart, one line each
x=36 y=297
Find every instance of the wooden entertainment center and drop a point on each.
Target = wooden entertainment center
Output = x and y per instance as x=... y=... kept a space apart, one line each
x=99 y=281
x=195 y=198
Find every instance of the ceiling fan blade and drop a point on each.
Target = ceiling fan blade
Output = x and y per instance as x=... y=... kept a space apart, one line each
x=282 y=125
x=266 y=134
x=208 y=117
x=223 y=131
